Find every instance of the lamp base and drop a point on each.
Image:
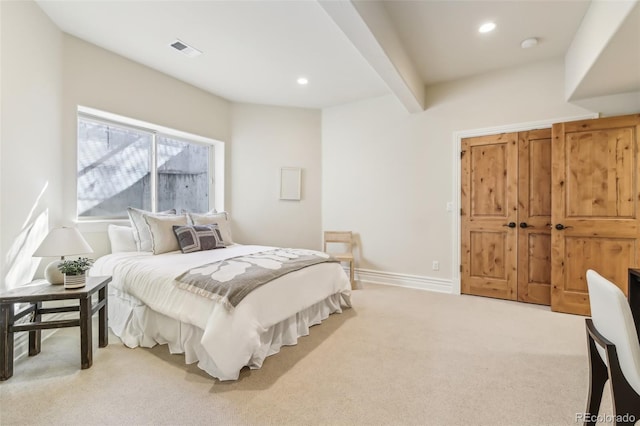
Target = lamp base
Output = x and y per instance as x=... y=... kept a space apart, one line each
x=53 y=274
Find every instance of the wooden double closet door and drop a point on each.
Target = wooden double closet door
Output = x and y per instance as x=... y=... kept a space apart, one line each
x=539 y=208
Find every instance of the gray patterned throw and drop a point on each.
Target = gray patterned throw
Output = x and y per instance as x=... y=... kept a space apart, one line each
x=231 y=280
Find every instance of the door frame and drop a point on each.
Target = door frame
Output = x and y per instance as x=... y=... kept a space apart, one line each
x=457 y=184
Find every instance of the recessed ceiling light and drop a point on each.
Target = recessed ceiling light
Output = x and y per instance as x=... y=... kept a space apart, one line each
x=530 y=42
x=302 y=81
x=487 y=27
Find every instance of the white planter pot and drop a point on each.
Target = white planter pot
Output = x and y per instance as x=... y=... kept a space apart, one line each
x=75 y=281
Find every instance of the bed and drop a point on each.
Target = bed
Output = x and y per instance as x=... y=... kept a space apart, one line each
x=147 y=308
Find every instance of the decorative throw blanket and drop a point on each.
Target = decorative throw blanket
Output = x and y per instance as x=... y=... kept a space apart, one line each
x=231 y=280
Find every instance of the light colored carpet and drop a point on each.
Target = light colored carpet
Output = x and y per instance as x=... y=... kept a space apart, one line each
x=399 y=357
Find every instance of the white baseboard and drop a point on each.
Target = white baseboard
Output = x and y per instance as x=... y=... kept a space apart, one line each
x=404 y=280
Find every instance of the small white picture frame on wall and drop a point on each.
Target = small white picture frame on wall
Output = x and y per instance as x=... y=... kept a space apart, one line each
x=290 y=178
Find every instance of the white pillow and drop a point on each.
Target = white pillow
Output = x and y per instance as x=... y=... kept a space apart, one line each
x=141 y=229
x=222 y=219
x=163 y=239
x=121 y=238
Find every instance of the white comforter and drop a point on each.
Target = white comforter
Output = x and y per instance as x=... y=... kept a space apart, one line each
x=230 y=338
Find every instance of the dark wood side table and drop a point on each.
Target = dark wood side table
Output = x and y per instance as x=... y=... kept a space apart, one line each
x=35 y=295
x=633 y=293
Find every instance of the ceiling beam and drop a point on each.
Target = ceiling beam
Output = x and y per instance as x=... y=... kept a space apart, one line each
x=599 y=26
x=369 y=28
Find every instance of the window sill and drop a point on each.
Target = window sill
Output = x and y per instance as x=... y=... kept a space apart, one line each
x=99 y=225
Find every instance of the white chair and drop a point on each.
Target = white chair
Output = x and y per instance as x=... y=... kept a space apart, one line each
x=346 y=239
x=614 y=352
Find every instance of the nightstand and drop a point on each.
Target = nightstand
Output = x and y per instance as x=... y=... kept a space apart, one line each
x=35 y=295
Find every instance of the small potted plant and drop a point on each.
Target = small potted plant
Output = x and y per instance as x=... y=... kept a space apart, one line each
x=75 y=271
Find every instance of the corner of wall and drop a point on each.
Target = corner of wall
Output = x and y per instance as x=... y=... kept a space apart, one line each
x=30 y=179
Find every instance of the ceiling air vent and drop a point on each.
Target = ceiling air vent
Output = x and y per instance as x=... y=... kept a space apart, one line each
x=184 y=48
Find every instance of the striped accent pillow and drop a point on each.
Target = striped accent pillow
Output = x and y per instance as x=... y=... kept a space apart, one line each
x=198 y=237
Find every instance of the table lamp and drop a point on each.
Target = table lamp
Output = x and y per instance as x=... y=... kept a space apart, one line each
x=64 y=241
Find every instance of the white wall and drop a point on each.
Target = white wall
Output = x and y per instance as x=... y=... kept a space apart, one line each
x=387 y=175
x=50 y=73
x=264 y=139
x=96 y=78
x=259 y=140
x=31 y=138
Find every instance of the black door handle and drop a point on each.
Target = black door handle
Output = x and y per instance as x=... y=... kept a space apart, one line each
x=525 y=225
x=560 y=227
x=510 y=225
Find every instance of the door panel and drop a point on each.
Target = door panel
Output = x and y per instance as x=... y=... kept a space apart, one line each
x=597 y=253
x=489 y=204
x=536 y=184
x=488 y=251
x=595 y=199
x=600 y=174
x=534 y=283
x=534 y=216
x=488 y=186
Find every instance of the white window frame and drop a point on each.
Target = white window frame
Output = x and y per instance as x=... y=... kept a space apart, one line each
x=216 y=159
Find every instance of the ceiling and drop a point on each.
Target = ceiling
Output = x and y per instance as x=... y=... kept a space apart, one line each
x=253 y=51
x=443 y=40
x=617 y=69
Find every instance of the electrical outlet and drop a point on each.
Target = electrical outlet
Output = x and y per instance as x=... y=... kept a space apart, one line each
x=436 y=265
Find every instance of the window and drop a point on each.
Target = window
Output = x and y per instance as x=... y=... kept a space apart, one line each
x=122 y=164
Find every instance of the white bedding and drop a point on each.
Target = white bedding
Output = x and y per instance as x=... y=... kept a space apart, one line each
x=230 y=340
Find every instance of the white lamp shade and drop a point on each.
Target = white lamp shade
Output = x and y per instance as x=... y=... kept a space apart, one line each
x=65 y=241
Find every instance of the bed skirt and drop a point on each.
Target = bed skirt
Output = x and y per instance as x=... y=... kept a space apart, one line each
x=138 y=325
